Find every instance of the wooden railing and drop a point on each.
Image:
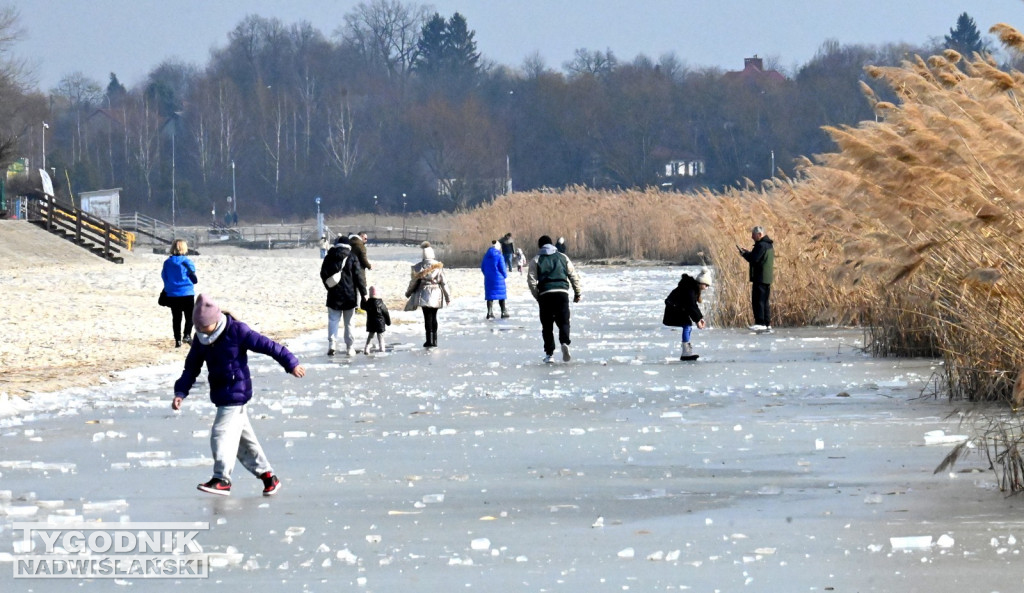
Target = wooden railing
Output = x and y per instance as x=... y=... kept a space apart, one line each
x=80 y=227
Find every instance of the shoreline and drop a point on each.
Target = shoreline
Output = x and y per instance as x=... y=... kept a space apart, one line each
x=76 y=322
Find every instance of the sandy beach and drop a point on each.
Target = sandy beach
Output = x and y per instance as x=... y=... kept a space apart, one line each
x=71 y=319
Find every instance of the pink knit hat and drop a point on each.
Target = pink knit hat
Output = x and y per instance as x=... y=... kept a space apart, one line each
x=206 y=312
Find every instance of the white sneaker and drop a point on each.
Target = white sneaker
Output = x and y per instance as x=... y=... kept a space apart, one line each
x=566 y=357
x=351 y=351
x=547 y=359
x=757 y=327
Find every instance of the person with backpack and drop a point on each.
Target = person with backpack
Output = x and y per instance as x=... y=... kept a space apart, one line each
x=550 y=278
x=340 y=274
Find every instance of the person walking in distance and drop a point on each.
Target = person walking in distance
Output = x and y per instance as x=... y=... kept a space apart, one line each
x=508 y=250
x=428 y=290
x=179 y=276
x=550 y=277
x=761 y=259
x=340 y=275
x=495 y=274
x=358 y=244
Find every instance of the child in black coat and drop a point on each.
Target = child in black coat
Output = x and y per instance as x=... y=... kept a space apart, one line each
x=377 y=318
x=682 y=310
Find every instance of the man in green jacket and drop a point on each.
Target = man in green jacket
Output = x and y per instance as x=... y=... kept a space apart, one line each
x=550 y=278
x=762 y=271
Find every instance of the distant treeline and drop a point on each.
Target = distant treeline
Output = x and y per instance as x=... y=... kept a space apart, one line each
x=395 y=110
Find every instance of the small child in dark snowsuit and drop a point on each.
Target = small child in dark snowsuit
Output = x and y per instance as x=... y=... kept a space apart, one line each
x=377 y=317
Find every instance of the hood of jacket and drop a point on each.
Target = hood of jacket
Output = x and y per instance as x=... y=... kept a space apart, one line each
x=548 y=249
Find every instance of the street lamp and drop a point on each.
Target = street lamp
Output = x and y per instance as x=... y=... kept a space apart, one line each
x=234 y=195
x=172 y=179
x=403 y=215
x=375 y=213
x=46 y=126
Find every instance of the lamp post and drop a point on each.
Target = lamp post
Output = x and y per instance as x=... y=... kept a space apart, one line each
x=234 y=195
x=773 y=164
x=46 y=126
x=319 y=218
x=172 y=179
x=375 y=214
x=403 y=215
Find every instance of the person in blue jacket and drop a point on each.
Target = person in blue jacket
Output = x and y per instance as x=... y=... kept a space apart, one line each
x=223 y=343
x=179 y=276
x=495 y=273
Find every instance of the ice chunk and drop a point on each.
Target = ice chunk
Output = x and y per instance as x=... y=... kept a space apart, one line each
x=656 y=556
x=938 y=437
x=481 y=543
x=873 y=499
x=294 y=434
x=347 y=556
x=108 y=506
x=433 y=498
x=945 y=541
x=577 y=431
x=19 y=511
x=911 y=542
x=627 y=553
x=671 y=414
x=672 y=556
x=598 y=523
x=293 y=531
x=373 y=538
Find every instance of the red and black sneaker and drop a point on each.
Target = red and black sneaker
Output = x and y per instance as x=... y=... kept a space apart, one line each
x=271 y=484
x=216 y=486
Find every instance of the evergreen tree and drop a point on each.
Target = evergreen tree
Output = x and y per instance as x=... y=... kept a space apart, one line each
x=965 y=37
x=430 y=49
x=463 y=59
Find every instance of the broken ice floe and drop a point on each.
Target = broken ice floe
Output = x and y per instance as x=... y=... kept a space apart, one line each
x=938 y=437
x=912 y=542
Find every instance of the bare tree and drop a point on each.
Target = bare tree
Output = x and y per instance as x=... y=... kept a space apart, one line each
x=385 y=33
x=342 y=144
x=81 y=95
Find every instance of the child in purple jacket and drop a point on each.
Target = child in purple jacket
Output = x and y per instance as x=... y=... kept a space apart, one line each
x=223 y=342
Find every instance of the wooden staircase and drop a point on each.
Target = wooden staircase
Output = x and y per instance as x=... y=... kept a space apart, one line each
x=81 y=228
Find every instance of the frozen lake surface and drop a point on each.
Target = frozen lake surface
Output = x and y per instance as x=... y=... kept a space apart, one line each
x=785 y=462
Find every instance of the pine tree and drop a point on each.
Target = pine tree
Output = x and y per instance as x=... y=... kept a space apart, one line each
x=965 y=37
x=430 y=49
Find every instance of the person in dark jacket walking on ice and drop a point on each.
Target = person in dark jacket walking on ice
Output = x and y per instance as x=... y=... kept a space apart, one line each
x=682 y=307
x=340 y=274
x=223 y=343
x=550 y=277
x=761 y=259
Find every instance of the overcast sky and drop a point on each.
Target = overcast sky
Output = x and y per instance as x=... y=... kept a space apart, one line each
x=130 y=37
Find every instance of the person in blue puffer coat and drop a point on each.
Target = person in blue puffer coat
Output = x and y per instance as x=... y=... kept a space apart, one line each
x=495 y=274
x=179 y=276
x=223 y=343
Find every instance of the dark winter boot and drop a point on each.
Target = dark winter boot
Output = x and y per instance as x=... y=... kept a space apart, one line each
x=433 y=339
x=490 y=309
x=428 y=343
x=504 y=311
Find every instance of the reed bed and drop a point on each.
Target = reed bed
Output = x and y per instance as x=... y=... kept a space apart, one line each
x=913 y=229
x=636 y=225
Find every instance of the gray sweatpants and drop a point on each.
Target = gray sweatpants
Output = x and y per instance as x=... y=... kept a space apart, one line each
x=232 y=437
